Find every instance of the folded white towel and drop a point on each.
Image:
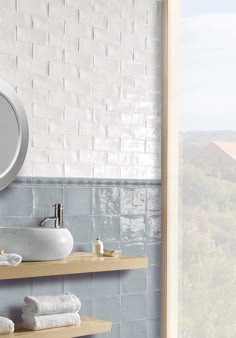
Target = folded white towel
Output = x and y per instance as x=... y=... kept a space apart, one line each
x=10 y=259
x=49 y=321
x=6 y=325
x=46 y=305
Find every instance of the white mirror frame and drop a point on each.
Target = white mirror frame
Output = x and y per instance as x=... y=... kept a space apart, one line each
x=10 y=95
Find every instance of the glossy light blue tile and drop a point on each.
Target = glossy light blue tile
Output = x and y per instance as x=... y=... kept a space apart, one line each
x=22 y=181
x=133 y=228
x=153 y=278
x=107 y=308
x=16 y=221
x=80 y=227
x=133 y=307
x=107 y=226
x=153 y=308
x=83 y=247
x=135 y=329
x=12 y=293
x=78 y=201
x=48 y=285
x=154 y=253
x=86 y=308
x=44 y=199
x=48 y=181
x=153 y=328
x=133 y=201
x=106 y=201
x=106 y=284
x=133 y=248
x=100 y=293
x=112 y=245
x=16 y=201
x=80 y=285
x=37 y=219
x=133 y=281
x=154 y=199
x=154 y=227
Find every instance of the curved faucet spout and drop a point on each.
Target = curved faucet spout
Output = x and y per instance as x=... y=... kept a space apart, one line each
x=47 y=219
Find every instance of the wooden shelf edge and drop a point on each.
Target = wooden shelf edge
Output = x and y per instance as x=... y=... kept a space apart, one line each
x=78 y=262
x=88 y=326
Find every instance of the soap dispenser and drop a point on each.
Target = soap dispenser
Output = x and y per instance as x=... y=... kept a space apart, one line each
x=98 y=247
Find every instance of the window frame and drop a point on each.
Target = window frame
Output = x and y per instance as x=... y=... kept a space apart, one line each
x=169 y=167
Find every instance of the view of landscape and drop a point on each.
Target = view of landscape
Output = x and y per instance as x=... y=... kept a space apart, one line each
x=207 y=241
x=208 y=232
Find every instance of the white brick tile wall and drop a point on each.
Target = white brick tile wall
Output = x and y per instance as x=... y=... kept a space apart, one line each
x=81 y=4
x=31 y=35
x=103 y=170
x=92 y=129
x=65 y=12
x=95 y=47
x=48 y=169
x=88 y=74
x=62 y=70
x=105 y=144
x=78 y=142
x=48 y=53
x=49 y=25
x=48 y=111
x=7 y=4
x=14 y=18
x=45 y=140
x=39 y=7
x=108 y=63
x=79 y=170
x=78 y=30
x=120 y=158
x=132 y=146
x=31 y=66
x=39 y=124
x=107 y=117
x=95 y=19
x=133 y=172
x=64 y=127
x=78 y=58
x=93 y=157
x=78 y=114
x=64 y=156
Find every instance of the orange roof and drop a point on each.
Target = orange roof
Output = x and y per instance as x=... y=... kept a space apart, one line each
x=228 y=148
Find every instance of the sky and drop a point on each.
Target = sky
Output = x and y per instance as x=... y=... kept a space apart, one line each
x=208 y=65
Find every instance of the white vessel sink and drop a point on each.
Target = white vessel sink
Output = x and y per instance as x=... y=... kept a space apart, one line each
x=37 y=244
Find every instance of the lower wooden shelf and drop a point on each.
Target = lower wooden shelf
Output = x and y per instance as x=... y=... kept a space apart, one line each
x=77 y=262
x=87 y=327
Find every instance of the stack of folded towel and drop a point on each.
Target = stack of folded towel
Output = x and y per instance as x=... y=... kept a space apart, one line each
x=44 y=312
x=6 y=325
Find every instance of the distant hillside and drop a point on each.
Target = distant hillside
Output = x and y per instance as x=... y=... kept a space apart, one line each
x=194 y=141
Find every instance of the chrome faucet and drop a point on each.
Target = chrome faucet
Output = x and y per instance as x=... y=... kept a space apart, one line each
x=58 y=217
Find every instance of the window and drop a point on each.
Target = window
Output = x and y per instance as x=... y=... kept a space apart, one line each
x=199 y=169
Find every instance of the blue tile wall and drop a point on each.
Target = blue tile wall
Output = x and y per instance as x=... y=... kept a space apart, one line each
x=127 y=216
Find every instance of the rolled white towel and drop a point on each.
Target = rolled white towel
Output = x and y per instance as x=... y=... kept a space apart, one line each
x=10 y=259
x=6 y=325
x=47 y=305
x=31 y=322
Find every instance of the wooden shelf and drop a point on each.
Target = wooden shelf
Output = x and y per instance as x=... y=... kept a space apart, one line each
x=88 y=326
x=77 y=262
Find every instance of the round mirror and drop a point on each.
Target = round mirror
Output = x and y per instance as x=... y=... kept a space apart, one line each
x=14 y=134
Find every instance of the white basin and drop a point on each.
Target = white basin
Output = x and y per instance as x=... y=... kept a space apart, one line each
x=37 y=244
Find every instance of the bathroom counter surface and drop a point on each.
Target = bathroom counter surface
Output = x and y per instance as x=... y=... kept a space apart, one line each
x=88 y=326
x=77 y=262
